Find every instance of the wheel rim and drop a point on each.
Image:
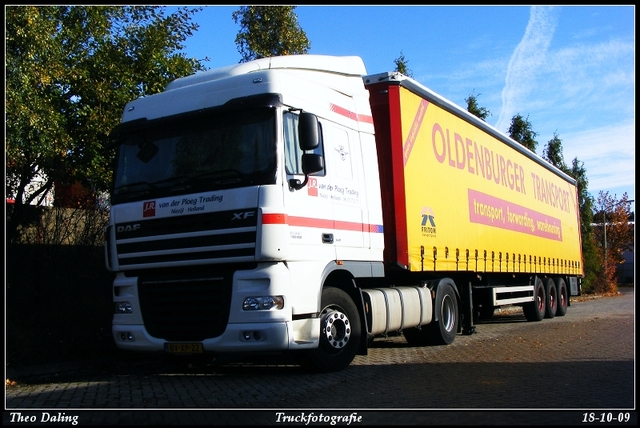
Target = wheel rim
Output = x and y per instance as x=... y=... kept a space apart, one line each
x=553 y=298
x=336 y=329
x=540 y=299
x=448 y=313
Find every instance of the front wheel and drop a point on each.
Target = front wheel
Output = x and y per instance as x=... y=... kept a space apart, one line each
x=339 y=332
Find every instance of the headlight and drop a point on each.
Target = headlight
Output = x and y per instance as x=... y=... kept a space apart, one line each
x=263 y=303
x=123 y=308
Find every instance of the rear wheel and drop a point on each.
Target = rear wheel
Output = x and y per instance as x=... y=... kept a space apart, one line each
x=443 y=331
x=339 y=332
x=563 y=297
x=552 y=298
x=535 y=311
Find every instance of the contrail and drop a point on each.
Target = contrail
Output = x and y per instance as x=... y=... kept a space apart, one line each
x=527 y=58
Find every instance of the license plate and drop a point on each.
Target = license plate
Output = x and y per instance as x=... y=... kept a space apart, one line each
x=183 y=348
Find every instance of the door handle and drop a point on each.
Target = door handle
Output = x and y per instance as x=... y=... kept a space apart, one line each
x=327 y=238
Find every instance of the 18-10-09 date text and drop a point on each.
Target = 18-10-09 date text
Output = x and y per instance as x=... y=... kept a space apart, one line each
x=621 y=417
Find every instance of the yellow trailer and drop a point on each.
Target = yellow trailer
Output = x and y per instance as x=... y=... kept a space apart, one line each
x=463 y=200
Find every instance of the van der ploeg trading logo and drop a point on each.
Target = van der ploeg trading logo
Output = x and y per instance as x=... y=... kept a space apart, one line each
x=312 y=187
x=428 y=223
x=149 y=209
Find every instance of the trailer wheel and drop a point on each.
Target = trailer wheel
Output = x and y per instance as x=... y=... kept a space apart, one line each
x=535 y=311
x=552 y=298
x=339 y=332
x=563 y=297
x=443 y=331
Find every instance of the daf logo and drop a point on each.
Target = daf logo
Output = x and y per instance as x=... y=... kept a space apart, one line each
x=129 y=228
x=243 y=215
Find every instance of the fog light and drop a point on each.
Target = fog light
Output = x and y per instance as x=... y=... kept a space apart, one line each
x=126 y=336
x=256 y=336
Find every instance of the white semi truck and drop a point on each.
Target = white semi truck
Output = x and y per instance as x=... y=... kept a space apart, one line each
x=297 y=204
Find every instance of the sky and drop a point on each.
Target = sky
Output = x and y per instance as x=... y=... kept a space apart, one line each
x=568 y=70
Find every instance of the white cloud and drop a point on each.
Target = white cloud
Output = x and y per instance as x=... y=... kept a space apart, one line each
x=585 y=92
x=528 y=57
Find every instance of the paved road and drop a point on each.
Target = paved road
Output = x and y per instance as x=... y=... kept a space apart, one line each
x=550 y=372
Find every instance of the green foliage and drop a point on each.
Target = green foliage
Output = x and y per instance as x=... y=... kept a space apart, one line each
x=592 y=258
x=267 y=31
x=553 y=152
x=521 y=131
x=474 y=109
x=70 y=70
x=591 y=261
x=613 y=235
x=402 y=65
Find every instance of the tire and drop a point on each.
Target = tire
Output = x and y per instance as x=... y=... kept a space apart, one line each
x=563 y=297
x=443 y=331
x=535 y=311
x=552 y=297
x=340 y=331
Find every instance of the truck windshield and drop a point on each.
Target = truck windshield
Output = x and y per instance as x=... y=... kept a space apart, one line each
x=195 y=154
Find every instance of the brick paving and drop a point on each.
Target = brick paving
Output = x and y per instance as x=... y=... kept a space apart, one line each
x=582 y=361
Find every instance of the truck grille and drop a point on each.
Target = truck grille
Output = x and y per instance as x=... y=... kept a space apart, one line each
x=186 y=308
x=226 y=236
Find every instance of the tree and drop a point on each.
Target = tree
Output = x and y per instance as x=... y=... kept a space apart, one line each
x=267 y=31
x=474 y=109
x=613 y=235
x=520 y=130
x=402 y=65
x=553 y=152
x=591 y=259
x=70 y=70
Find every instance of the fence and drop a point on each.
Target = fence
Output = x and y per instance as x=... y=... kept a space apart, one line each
x=58 y=303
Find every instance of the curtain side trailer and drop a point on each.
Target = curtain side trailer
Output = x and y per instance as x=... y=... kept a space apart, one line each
x=463 y=201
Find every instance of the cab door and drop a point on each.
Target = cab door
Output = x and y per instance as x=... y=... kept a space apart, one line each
x=309 y=209
x=343 y=189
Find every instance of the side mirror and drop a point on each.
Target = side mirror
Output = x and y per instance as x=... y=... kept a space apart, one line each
x=308 y=131
x=312 y=163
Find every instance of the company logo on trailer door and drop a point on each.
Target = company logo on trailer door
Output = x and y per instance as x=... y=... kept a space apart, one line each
x=149 y=209
x=428 y=224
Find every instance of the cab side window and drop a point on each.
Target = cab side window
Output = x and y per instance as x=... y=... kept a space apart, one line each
x=292 y=152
